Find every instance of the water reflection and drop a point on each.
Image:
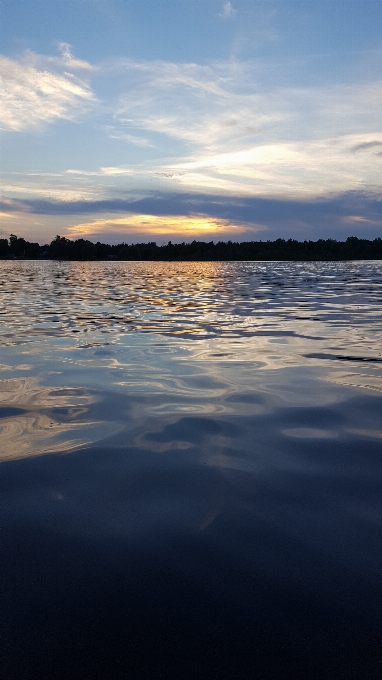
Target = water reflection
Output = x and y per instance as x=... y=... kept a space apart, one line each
x=181 y=339
x=216 y=511
x=35 y=419
x=295 y=300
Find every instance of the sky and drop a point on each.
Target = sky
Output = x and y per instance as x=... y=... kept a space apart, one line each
x=158 y=120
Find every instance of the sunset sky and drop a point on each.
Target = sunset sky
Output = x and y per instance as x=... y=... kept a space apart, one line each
x=151 y=120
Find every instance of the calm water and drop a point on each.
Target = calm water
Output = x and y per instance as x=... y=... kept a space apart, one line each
x=191 y=473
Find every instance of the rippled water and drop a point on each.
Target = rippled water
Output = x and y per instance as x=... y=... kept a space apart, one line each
x=191 y=469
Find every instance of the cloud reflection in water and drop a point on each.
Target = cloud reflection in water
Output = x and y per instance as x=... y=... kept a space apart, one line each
x=222 y=492
x=36 y=420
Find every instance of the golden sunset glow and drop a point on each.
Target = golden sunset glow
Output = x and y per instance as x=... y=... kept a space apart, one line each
x=7 y=216
x=158 y=225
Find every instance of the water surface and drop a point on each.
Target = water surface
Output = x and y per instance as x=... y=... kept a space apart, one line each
x=191 y=469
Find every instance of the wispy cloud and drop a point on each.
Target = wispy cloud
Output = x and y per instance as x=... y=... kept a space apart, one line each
x=71 y=62
x=294 y=168
x=32 y=95
x=224 y=103
x=53 y=188
x=355 y=219
x=203 y=105
x=366 y=146
x=113 y=133
x=103 y=172
x=227 y=11
x=7 y=215
x=240 y=136
x=217 y=132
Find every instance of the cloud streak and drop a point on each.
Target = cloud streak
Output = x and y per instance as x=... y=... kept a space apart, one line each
x=241 y=137
x=69 y=61
x=217 y=105
x=159 y=225
x=31 y=95
x=114 y=133
x=366 y=146
x=212 y=140
x=242 y=218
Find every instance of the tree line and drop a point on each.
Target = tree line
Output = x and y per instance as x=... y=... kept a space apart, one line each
x=62 y=248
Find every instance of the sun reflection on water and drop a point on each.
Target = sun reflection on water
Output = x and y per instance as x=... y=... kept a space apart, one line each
x=196 y=339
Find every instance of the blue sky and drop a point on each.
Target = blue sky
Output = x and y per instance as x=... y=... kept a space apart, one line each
x=181 y=119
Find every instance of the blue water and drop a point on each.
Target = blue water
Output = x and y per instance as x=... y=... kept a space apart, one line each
x=191 y=475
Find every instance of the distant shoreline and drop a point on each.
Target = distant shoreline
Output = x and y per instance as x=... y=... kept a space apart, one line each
x=322 y=250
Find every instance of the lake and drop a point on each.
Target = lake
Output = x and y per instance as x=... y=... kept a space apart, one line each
x=192 y=468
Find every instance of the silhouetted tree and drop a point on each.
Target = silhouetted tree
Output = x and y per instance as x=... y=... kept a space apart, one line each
x=62 y=248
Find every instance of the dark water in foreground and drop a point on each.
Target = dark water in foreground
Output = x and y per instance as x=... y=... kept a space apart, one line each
x=192 y=470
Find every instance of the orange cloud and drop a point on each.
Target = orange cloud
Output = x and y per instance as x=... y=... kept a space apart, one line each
x=6 y=216
x=160 y=225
